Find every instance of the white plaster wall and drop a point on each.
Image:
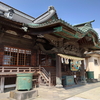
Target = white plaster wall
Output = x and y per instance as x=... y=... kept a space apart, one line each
x=96 y=69
x=99 y=69
x=90 y=62
x=92 y=67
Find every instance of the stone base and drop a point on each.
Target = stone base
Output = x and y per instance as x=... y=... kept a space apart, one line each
x=59 y=86
x=23 y=95
x=83 y=82
x=91 y=80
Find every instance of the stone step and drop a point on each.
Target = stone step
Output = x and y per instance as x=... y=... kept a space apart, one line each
x=91 y=80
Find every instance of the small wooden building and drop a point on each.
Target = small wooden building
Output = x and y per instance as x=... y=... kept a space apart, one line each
x=93 y=64
x=46 y=46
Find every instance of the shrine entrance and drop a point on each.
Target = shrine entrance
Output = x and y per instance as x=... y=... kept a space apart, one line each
x=72 y=70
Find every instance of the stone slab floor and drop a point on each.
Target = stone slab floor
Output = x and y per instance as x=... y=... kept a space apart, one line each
x=75 y=92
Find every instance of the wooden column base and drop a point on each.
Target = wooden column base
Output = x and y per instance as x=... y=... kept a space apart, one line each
x=59 y=82
x=2 y=84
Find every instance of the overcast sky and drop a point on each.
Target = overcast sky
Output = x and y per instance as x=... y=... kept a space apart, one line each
x=72 y=11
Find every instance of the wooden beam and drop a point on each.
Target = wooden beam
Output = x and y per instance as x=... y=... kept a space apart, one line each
x=34 y=32
x=48 y=36
x=1 y=35
x=9 y=86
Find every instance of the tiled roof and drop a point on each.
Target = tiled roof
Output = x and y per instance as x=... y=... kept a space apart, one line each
x=54 y=21
x=87 y=29
x=83 y=30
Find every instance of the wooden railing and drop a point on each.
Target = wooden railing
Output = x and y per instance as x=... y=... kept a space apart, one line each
x=52 y=71
x=45 y=72
x=45 y=75
x=49 y=74
x=14 y=70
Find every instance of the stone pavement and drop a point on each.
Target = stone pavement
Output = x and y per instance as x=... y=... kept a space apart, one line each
x=76 y=98
x=89 y=91
x=93 y=94
x=4 y=96
x=68 y=92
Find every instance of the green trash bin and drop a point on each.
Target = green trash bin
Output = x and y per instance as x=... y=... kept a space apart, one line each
x=24 y=81
x=90 y=74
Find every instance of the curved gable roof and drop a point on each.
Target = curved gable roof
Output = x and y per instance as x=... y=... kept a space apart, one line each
x=50 y=14
x=87 y=29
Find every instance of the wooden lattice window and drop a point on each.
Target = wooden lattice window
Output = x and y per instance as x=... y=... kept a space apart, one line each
x=16 y=57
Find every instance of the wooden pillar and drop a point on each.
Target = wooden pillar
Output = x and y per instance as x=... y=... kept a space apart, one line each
x=39 y=77
x=83 y=79
x=33 y=58
x=58 y=72
x=1 y=53
x=2 y=81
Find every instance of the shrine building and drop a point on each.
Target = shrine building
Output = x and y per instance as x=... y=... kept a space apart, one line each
x=50 y=48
